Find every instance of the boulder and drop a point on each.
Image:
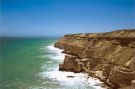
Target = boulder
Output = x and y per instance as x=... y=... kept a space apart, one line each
x=68 y=64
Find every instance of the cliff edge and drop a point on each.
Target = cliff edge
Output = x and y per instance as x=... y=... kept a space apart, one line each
x=108 y=56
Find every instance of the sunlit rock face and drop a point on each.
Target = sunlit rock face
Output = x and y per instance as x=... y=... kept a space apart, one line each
x=70 y=64
x=109 y=56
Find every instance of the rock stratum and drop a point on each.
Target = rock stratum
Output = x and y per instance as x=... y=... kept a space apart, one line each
x=108 y=56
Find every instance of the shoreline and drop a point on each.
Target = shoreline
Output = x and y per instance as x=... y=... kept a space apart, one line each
x=97 y=83
x=68 y=79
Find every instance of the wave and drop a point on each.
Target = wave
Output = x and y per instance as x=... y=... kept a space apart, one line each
x=72 y=79
x=58 y=55
x=54 y=53
x=69 y=80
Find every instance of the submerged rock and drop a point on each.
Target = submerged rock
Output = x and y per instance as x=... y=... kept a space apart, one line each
x=70 y=76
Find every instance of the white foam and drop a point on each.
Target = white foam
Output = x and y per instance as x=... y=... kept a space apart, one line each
x=55 y=53
x=66 y=78
x=51 y=47
x=71 y=79
x=58 y=55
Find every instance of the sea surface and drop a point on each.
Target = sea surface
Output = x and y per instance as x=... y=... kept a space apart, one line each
x=32 y=63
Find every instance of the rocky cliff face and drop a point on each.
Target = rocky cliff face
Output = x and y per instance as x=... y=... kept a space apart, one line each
x=109 y=56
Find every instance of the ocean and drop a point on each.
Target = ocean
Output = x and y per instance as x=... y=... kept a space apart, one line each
x=32 y=63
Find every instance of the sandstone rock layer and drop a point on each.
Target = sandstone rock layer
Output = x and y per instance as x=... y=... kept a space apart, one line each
x=109 y=56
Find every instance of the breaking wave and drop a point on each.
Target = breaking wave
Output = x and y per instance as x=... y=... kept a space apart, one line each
x=62 y=79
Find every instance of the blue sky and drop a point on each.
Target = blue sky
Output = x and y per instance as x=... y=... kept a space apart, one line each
x=59 y=17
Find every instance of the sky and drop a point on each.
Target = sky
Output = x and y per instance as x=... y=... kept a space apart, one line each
x=59 y=17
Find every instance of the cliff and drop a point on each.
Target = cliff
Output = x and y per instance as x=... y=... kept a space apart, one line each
x=108 y=56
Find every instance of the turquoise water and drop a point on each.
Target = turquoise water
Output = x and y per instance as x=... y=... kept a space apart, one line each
x=32 y=63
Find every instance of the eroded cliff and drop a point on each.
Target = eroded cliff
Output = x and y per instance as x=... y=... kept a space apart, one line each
x=109 y=56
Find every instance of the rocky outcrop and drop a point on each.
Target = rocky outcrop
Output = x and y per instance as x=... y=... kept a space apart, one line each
x=70 y=64
x=108 y=56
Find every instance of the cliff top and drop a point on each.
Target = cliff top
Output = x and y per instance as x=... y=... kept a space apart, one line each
x=117 y=33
